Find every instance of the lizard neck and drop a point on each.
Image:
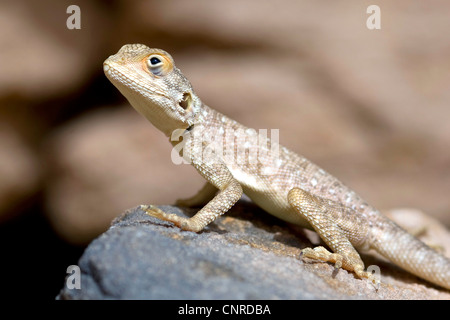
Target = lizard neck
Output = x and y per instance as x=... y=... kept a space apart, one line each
x=168 y=116
x=161 y=120
x=197 y=115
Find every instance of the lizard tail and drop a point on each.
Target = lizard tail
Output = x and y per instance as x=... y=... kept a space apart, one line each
x=411 y=254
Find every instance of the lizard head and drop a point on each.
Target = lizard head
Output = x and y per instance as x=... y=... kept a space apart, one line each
x=154 y=86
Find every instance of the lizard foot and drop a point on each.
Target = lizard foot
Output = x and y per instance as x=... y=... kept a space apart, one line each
x=156 y=212
x=341 y=261
x=181 y=222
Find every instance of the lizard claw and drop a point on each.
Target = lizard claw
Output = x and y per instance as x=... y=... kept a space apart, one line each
x=154 y=211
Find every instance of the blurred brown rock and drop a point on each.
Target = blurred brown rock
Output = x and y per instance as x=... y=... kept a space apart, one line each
x=41 y=61
x=19 y=171
x=39 y=57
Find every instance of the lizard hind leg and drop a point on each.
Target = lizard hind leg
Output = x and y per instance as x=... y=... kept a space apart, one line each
x=324 y=218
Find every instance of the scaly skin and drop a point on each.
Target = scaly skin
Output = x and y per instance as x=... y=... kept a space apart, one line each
x=283 y=183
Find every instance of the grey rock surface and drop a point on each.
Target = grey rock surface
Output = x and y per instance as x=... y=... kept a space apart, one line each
x=245 y=254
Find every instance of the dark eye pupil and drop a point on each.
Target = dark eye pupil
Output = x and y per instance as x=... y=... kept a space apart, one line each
x=154 y=61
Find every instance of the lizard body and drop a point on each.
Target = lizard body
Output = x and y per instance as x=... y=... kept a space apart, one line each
x=283 y=183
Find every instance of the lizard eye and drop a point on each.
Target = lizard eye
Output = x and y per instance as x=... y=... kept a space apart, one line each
x=154 y=61
x=156 y=65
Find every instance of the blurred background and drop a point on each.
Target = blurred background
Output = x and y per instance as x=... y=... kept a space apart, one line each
x=370 y=106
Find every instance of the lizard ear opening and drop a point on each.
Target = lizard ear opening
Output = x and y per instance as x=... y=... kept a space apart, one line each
x=186 y=102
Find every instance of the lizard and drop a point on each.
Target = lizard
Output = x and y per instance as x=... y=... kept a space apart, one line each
x=282 y=183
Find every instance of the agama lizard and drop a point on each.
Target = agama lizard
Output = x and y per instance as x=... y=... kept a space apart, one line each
x=283 y=183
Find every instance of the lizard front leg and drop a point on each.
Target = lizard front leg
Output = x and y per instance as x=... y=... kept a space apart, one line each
x=230 y=191
x=329 y=220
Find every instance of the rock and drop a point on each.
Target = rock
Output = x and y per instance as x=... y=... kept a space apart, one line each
x=245 y=254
